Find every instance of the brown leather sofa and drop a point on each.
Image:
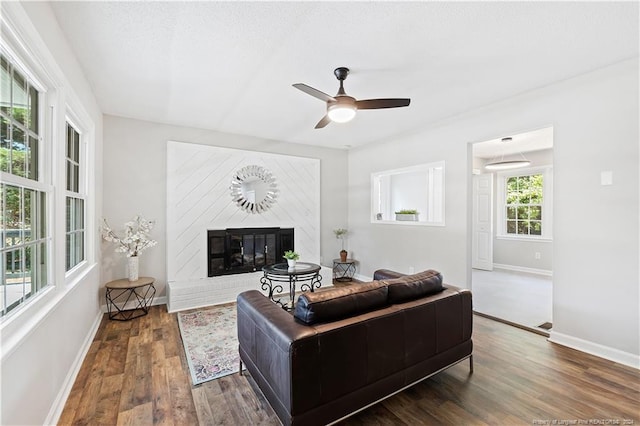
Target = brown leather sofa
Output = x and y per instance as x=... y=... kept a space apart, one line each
x=347 y=348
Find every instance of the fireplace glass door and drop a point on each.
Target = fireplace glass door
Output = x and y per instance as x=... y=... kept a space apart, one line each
x=246 y=249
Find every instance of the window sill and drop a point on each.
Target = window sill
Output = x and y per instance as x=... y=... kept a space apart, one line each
x=523 y=238
x=407 y=223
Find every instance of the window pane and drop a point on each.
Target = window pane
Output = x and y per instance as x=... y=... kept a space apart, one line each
x=69 y=213
x=79 y=214
x=18 y=151
x=34 y=105
x=12 y=213
x=28 y=272
x=68 y=175
x=523 y=227
x=75 y=232
x=75 y=178
x=523 y=213
x=5 y=87
x=39 y=216
x=29 y=200
x=32 y=162
x=69 y=141
x=536 y=227
x=511 y=227
x=4 y=133
x=76 y=147
x=79 y=247
x=41 y=264
x=19 y=98
x=511 y=213
x=5 y=145
x=13 y=286
x=536 y=212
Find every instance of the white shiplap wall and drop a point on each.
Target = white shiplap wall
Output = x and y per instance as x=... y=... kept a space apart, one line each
x=198 y=199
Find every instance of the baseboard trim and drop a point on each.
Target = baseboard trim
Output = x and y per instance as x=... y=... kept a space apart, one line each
x=596 y=349
x=61 y=399
x=362 y=278
x=544 y=272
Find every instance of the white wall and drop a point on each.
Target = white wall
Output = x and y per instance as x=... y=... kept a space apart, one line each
x=596 y=229
x=135 y=176
x=44 y=343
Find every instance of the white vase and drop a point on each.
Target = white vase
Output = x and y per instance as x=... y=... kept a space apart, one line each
x=291 y=263
x=132 y=268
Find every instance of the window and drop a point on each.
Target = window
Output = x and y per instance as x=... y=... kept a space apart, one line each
x=23 y=198
x=525 y=210
x=75 y=232
x=524 y=204
x=416 y=191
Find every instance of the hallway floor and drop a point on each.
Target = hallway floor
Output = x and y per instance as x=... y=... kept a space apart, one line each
x=520 y=298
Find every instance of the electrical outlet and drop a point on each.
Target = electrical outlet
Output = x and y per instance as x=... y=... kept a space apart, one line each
x=537 y=255
x=411 y=270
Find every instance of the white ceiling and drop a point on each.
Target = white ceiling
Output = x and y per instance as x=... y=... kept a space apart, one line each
x=523 y=142
x=229 y=66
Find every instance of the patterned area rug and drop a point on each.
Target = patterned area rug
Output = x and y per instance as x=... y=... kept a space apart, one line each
x=210 y=340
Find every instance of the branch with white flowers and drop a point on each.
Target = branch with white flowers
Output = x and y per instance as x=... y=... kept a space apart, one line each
x=136 y=236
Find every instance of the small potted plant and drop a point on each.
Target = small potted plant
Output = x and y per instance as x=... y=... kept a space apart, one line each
x=407 y=215
x=291 y=257
x=340 y=233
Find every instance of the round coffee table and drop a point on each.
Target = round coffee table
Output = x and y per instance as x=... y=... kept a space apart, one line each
x=308 y=274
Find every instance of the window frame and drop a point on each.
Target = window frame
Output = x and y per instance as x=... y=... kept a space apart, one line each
x=81 y=194
x=547 y=203
x=41 y=184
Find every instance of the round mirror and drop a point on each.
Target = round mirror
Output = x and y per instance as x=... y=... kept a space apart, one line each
x=253 y=189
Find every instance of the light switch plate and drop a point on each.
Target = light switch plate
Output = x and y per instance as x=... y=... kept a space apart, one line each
x=606 y=178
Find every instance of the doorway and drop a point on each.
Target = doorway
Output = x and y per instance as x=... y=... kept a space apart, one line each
x=512 y=229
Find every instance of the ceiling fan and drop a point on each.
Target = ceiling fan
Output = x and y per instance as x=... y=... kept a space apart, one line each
x=342 y=107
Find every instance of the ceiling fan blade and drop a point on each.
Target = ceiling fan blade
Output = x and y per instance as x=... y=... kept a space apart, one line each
x=325 y=120
x=314 y=92
x=382 y=103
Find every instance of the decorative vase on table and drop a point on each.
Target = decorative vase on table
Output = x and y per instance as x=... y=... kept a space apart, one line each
x=132 y=268
x=343 y=255
x=291 y=263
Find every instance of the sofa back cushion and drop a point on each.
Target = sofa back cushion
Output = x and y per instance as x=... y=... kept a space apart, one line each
x=340 y=302
x=410 y=287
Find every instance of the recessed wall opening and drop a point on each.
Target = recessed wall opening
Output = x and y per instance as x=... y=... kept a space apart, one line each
x=512 y=229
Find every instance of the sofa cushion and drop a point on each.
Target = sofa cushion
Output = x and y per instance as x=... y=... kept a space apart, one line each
x=340 y=302
x=411 y=287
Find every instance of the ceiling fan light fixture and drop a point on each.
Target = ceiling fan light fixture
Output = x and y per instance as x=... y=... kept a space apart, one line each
x=341 y=112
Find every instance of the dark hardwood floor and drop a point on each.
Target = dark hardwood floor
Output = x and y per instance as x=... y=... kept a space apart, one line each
x=136 y=373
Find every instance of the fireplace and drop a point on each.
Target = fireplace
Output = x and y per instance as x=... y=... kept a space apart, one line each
x=240 y=250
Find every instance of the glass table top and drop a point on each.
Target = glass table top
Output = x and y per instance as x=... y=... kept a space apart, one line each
x=283 y=268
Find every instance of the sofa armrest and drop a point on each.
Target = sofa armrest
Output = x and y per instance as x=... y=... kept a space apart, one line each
x=386 y=274
x=276 y=323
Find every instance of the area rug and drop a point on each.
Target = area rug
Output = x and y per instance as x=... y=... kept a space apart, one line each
x=210 y=340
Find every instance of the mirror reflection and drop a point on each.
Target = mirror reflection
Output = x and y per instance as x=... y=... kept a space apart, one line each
x=254 y=189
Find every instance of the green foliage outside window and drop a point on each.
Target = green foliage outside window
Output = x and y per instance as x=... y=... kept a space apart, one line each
x=524 y=204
